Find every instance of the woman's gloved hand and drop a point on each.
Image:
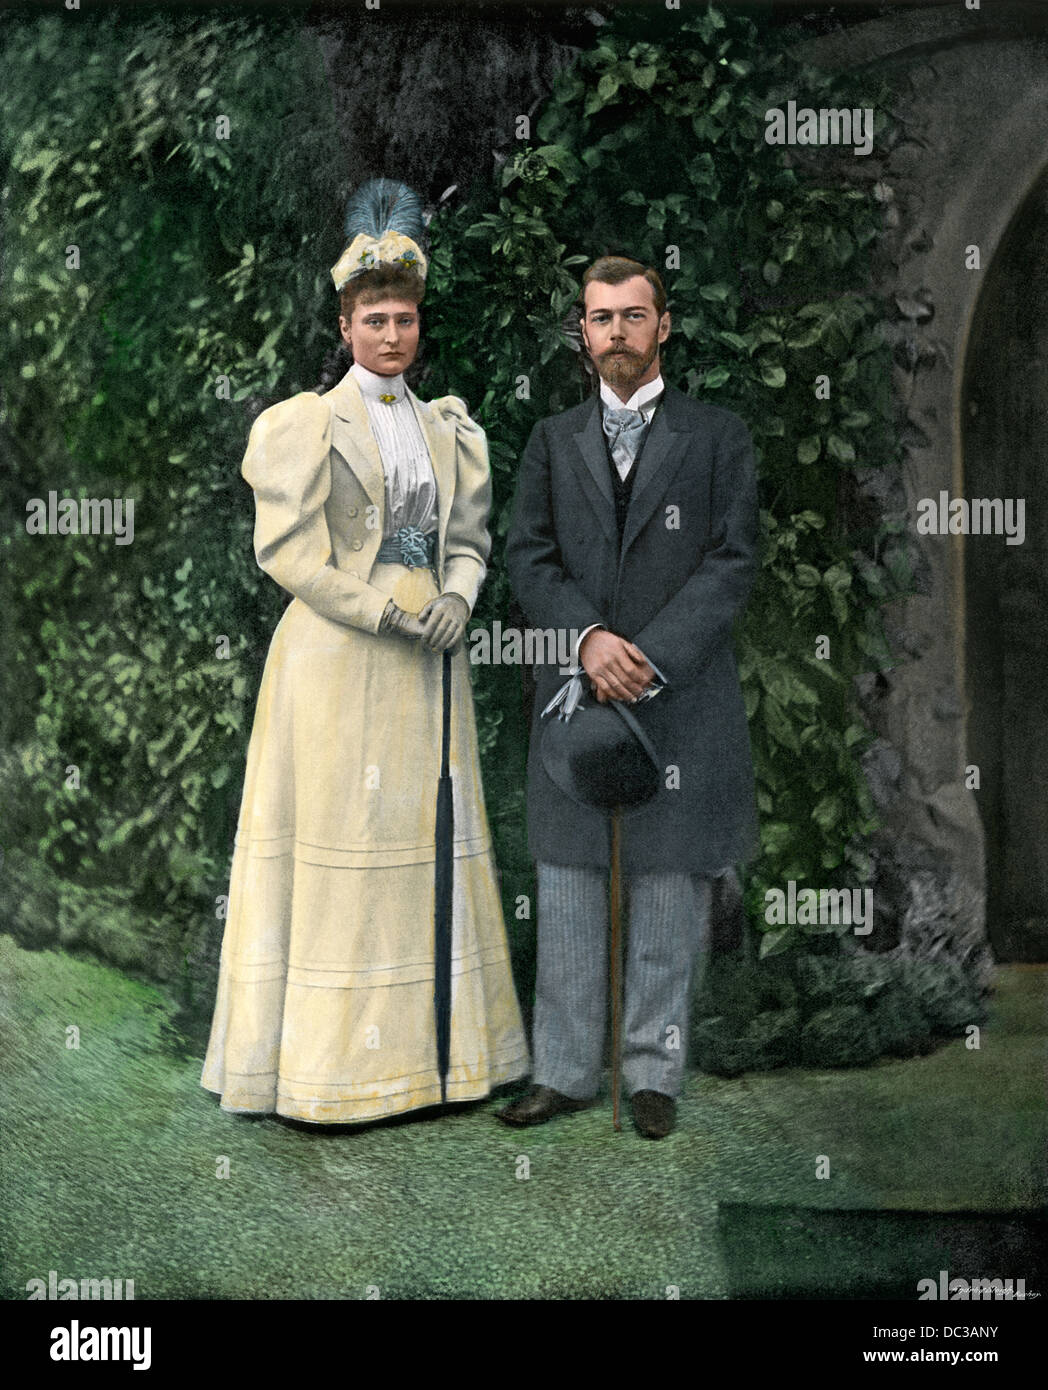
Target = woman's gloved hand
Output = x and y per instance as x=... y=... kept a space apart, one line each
x=443 y=621
x=394 y=619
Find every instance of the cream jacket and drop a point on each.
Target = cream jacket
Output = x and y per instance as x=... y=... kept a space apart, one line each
x=320 y=499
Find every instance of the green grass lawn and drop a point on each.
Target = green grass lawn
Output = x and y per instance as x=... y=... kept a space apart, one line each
x=110 y=1156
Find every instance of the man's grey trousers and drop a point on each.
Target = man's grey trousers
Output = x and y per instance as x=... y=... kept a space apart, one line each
x=668 y=925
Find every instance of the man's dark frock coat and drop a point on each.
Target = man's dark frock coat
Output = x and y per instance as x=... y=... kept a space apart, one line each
x=684 y=569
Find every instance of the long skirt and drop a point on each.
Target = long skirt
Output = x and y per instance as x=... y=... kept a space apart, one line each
x=325 y=996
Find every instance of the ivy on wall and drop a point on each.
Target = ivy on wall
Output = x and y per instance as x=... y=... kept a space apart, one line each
x=656 y=150
x=204 y=258
x=131 y=670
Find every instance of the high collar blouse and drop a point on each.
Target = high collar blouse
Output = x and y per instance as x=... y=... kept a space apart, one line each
x=411 y=487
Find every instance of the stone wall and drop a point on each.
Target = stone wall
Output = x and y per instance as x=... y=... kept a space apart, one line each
x=972 y=89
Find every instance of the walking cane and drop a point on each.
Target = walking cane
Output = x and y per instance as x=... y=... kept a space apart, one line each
x=444 y=881
x=616 y=969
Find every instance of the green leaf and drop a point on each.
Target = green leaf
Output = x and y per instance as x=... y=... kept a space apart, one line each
x=773 y=943
x=840 y=449
x=827 y=812
x=796 y=691
x=773 y=376
x=837 y=578
x=779 y=725
x=808 y=449
x=808 y=338
x=607 y=87
x=561 y=159
x=839 y=606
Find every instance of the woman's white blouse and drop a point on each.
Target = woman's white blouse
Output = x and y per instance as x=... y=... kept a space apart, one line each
x=411 y=487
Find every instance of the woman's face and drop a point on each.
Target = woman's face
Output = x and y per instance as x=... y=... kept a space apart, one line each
x=383 y=337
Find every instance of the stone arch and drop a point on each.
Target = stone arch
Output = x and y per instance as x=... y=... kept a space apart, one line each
x=1005 y=436
x=971 y=92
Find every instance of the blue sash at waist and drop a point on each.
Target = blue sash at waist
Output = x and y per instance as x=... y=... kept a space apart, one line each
x=408 y=546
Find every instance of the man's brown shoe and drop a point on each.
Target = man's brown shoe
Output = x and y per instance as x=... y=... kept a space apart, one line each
x=540 y=1104
x=653 y=1113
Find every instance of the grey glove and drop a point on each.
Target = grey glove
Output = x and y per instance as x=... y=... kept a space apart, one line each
x=444 y=621
x=394 y=619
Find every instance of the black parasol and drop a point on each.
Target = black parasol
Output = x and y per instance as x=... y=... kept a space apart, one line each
x=444 y=881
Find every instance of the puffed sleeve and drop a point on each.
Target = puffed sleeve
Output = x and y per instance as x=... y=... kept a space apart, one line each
x=467 y=544
x=287 y=464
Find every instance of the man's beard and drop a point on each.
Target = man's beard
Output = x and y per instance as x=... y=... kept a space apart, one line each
x=621 y=367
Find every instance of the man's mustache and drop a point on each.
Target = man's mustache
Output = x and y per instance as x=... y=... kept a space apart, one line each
x=620 y=352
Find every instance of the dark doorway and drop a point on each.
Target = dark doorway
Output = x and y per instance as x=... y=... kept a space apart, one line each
x=1005 y=433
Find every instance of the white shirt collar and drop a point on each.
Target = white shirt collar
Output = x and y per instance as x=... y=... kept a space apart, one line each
x=373 y=385
x=642 y=399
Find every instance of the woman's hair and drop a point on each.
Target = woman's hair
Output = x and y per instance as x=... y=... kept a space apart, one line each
x=384 y=282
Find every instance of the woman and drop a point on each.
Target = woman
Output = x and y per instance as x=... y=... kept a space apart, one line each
x=371 y=509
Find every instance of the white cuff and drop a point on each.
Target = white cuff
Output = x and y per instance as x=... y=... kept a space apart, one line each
x=578 y=645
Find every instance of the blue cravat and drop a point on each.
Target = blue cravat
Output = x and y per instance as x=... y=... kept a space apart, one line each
x=624 y=430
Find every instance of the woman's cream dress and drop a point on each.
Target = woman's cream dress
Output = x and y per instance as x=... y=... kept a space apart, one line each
x=325 y=996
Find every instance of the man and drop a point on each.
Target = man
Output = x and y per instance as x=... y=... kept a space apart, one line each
x=635 y=524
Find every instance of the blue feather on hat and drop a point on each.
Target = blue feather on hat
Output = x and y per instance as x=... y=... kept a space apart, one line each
x=384 y=205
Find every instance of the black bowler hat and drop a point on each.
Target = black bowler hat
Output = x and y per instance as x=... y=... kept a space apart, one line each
x=599 y=755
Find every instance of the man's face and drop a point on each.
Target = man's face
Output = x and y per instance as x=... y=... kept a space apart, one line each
x=623 y=333
x=383 y=337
